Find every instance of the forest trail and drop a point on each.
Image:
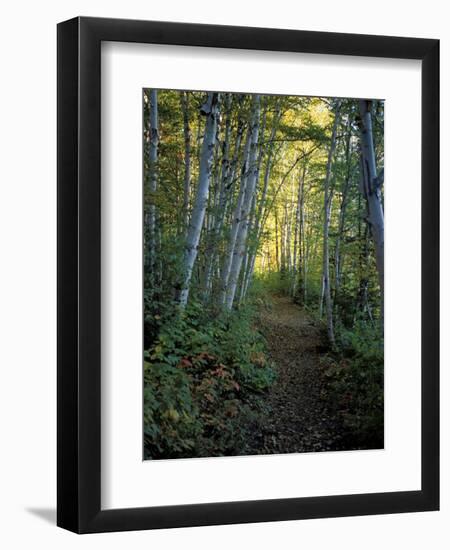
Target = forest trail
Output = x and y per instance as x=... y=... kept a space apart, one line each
x=297 y=417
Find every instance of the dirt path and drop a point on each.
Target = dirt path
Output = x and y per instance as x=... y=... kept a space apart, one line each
x=297 y=418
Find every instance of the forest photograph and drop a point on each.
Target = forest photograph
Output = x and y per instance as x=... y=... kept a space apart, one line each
x=263 y=262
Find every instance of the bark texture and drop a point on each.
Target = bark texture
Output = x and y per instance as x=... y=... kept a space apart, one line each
x=371 y=189
x=241 y=237
x=210 y=110
x=326 y=227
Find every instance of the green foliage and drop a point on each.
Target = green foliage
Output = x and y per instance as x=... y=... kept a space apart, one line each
x=198 y=379
x=356 y=383
x=171 y=426
x=270 y=282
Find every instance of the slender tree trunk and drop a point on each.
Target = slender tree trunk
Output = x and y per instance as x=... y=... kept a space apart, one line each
x=241 y=238
x=232 y=175
x=212 y=215
x=220 y=204
x=187 y=157
x=288 y=237
x=258 y=224
x=277 y=251
x=243 y=278
x=283 y=242
x=249 y=275
x=225 y=164
x=362 y=304
x=305 y=252
x=210 y=110
x=248 y=256
x=268 y=166
x=342 y=212
x=326 y=226
x=298 y=236
x=322 y=296
x=153 y=171
x=371 y=189
x=340 y=234
x=226 y=269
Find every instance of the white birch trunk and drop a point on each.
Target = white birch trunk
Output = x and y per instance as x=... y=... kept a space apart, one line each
x=372 y=192
x=211 y=215
x=342 y=212
x=298 y=237
x=210 y=109
x=288 y=237
x=232 y=175
x=326 y=226
x=220 y=206
x=305 y=254
x=259 y=214
x=236 y=222
x=241 y=238
x=187 y=158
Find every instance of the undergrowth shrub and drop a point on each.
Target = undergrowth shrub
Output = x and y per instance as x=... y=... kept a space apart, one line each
x=356 y=382
x=269 y=283
x=199 y=377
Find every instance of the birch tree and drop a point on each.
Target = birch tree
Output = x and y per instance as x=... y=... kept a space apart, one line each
x=298 y=231
x=223 y=177
x=187 y=157
x=343 y=208
x=241 y=237
x=259 y=213
x=226 y=269
x=210 y=110
x=372 y=182
x=326 y=227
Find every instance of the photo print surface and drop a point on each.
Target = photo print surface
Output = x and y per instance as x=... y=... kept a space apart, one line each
x=263 y=274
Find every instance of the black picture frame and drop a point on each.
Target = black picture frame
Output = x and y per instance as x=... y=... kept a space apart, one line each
x=79 y=281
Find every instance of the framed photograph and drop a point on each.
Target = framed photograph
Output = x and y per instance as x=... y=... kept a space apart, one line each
x=248 y=293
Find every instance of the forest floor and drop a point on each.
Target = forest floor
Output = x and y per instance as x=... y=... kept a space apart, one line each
x=296 y=416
